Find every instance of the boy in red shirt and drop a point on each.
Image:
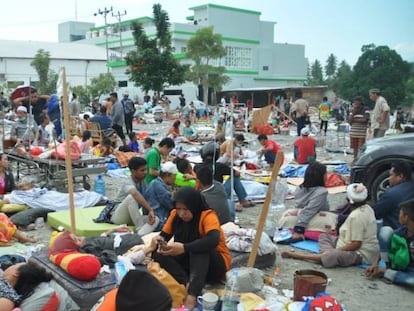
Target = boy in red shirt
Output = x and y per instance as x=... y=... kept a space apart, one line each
x=304 y=147
x=269 y=150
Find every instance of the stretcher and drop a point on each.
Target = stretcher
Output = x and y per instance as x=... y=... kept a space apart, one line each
x=52 y=173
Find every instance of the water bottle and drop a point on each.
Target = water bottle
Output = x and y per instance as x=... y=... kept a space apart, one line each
x=230 y=299
x=100 y=185
x=120 y=271
x=279 y=195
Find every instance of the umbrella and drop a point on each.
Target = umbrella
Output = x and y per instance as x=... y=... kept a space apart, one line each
x=22 y=91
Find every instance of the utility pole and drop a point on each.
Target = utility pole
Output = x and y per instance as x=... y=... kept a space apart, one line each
x=119 y=16
x=105 y=12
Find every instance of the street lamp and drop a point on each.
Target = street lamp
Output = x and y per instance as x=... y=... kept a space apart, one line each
x=105 y=12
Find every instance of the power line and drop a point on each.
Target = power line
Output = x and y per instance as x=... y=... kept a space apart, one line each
x=119 y=16
x=105 y=12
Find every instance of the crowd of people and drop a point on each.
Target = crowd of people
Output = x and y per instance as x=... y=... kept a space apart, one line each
x=193 y=216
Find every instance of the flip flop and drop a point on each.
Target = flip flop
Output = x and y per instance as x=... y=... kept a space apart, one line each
x=249 y=204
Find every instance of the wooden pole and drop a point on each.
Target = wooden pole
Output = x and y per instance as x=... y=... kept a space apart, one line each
x=265 y=209
x=68 y=160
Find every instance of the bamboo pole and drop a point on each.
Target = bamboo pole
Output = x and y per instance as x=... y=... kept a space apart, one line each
x=265 y=209
x=68 y=160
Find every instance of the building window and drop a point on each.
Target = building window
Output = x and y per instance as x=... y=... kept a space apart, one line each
x=265 y=68
x=238 y=57
x=183 y=49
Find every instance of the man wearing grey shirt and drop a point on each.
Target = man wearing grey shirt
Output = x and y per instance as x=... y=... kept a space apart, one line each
x=118 y=116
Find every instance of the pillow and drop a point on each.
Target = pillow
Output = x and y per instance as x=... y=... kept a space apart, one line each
x=64 y=253
x=44 y=298
x=12 y=208
x=84 y=267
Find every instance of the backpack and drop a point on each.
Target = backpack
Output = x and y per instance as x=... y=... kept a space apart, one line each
x=106 y=214
x=322 y=302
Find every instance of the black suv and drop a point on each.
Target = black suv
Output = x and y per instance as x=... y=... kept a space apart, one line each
x=375 y=158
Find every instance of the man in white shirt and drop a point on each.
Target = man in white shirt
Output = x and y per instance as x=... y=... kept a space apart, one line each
x=380 y=116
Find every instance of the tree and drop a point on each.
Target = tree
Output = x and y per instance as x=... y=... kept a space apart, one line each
x=152 y=65
x=203 y=48
x=330 y=67
x=103 y=84
x=50 y=86
x=342 y=83
x=41 y=64
x=382 y=68
x=316 y=73
x=83 y=94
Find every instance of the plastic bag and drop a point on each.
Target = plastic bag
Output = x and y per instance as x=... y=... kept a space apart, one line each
x=279 y=195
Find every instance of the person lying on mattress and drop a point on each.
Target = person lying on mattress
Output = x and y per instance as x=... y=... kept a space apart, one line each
x=18 y=282
x=105 y=247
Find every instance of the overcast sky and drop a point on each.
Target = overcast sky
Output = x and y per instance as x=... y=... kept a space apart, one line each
x=340 y=27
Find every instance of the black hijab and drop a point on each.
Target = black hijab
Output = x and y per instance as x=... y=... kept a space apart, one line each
x=188 y=231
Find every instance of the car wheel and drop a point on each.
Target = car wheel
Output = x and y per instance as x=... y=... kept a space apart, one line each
x=379 y=185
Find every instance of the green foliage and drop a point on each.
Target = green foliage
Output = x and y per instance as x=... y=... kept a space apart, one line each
x=316 y=77
x=41 y=63
x=342 y=84
x=382 y=68
x=152 y=65
x=103 y=84
x=202 y=49
x=50 y=86
x=330 y=67
x=83 y=94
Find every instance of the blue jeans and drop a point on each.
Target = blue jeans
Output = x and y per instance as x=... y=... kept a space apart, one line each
x=232 y=209
x=300 y=122
x=238 y=188
x=270 y=157
x=397 y=277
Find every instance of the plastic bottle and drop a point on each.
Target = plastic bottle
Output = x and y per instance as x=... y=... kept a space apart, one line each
x=279 y=195
x=100 y=185
x=230 y=298
x=120 y=271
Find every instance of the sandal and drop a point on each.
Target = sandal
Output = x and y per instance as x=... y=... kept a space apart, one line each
x=249 y=204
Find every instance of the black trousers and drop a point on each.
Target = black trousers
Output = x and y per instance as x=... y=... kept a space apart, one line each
x=128 y=122
x=324 y=124
x=197 y=269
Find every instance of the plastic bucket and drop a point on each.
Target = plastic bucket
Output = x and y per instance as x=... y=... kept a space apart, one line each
x=308 y=283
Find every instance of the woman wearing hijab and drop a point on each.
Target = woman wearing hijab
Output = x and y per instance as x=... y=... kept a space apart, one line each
x=199 y=253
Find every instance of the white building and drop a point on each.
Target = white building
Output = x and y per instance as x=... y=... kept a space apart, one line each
x=252 y=60
x=82 y=61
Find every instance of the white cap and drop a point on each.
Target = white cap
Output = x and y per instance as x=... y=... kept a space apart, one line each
x=22 y=108
x=305 y=131
x=169 y=167
x=356 y=193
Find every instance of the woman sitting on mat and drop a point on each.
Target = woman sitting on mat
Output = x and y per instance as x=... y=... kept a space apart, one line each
x=357 y=240
x=199 y=253
x=311 y=198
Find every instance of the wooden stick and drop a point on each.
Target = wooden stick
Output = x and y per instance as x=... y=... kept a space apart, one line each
x=66 y=120
x=265 y=209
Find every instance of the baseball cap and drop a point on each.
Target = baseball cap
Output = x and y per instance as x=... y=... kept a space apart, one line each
x=305 y=131
x=22 y=108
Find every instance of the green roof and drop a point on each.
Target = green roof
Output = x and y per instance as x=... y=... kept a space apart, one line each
x=222 y=7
